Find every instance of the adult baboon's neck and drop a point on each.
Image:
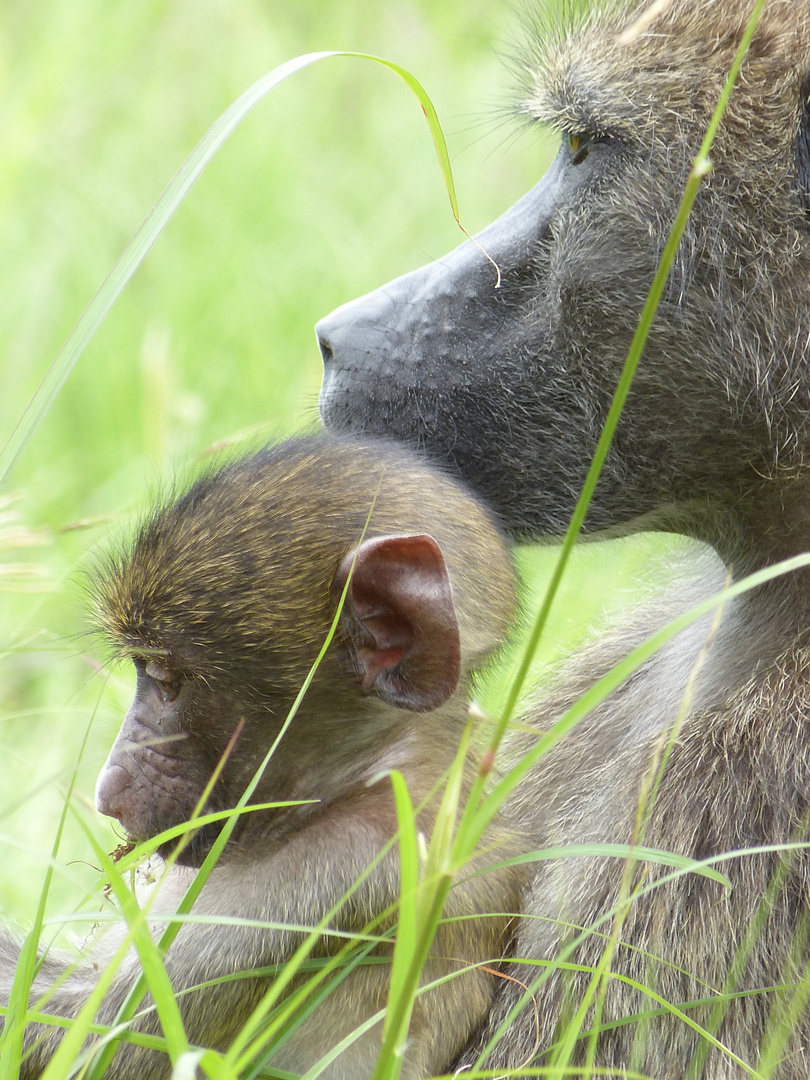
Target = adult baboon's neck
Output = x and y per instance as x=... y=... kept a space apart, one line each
x=762 y=523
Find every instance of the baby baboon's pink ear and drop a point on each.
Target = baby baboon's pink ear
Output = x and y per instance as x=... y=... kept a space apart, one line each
x=400 y=620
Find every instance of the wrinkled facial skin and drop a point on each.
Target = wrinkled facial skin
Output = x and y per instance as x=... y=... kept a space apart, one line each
x=517 y=380
x=156 y=771
x=510 y=386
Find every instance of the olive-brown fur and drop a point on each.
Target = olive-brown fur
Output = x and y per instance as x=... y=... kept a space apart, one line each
x=223 y=600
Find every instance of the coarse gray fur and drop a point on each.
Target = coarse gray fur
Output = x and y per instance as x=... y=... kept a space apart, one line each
x=510 y=387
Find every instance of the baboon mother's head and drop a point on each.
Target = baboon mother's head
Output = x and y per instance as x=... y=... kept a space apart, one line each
x=510 y=386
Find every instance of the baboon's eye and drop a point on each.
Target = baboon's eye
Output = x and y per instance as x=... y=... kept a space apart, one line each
x=579 y=144
x=169 y=683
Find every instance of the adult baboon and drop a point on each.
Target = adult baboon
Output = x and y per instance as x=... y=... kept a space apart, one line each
x=223 y=603
x=510 y=386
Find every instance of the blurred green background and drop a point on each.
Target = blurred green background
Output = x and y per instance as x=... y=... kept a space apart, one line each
x=329 y=188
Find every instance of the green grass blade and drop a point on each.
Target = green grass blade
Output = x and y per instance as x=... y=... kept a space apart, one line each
x=614 y=851
x=407 y=924
x=11 y=1038
x=434 y=885
x=160 y=215
x=482 y=814
x=700 y=168
x=149 y=955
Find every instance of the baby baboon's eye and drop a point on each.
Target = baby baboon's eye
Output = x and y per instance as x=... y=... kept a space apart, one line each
x=579 y=144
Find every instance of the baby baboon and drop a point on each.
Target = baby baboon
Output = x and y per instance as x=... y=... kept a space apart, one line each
x=223 y=602
x=510 y=387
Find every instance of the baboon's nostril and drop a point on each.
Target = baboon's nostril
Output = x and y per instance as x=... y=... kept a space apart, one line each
x=327 y=352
